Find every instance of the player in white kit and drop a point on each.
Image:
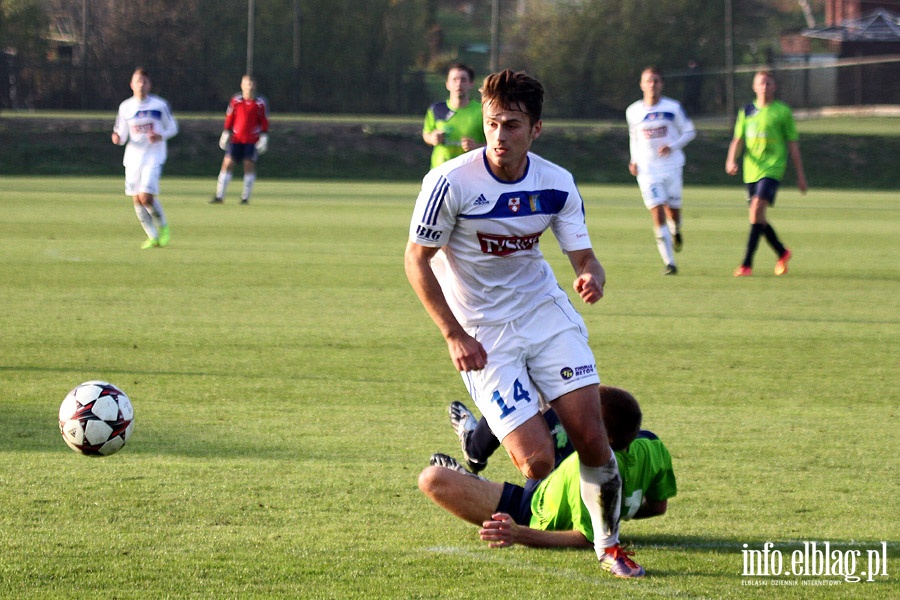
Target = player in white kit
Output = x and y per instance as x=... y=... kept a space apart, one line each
x=143 y=124
x=474 y=260
x=658 y=130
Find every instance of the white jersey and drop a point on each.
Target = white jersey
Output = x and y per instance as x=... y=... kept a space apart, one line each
x=136 y=120
x=651 y=127
x=490 y=266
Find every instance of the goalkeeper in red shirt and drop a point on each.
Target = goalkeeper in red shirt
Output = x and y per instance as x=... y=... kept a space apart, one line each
x=245 y=137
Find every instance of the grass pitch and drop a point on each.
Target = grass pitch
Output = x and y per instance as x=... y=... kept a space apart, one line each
x=289 y=387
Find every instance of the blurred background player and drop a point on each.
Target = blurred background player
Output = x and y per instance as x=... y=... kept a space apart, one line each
x=454 y=126
x=143 y=124
x=549 y=512
x=658 y=129
x=244 y=138
x=766 y=133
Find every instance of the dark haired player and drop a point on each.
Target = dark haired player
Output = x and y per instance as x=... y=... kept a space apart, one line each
x=549 y=512
x=474 y=260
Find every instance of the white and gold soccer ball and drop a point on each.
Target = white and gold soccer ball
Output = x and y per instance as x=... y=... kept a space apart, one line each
x=96 y=418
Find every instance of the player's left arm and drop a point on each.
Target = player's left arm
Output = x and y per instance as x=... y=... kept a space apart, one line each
x=263 y=114
x=502 y=532
x=651 y=508
x=797 y=159
x=686 y=129
x=590 y=277
x=169 y=126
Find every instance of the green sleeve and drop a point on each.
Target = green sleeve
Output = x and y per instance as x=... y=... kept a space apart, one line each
x=429 y=124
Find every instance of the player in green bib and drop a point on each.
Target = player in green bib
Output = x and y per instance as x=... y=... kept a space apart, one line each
x=454 y=126
x=766 y=134
x=648 y=481
x=549 y=512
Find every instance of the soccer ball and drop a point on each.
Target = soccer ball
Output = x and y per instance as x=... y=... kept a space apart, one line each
x=96 y=418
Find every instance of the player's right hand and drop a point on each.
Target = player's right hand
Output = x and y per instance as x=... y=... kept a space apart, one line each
x=467 y=353
x=500 y=531
x=224 y=139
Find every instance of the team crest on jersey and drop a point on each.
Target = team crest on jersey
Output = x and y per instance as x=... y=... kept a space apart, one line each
x=515 y=204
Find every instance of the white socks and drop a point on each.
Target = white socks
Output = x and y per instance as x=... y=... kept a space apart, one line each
x=664 y=244
x=225 y=178
x=601 y=491
x=146 y=220
x=249 y=180
x=222 y=183
x=158 y=213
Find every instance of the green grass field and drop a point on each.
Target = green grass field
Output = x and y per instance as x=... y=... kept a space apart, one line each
x=289 y=388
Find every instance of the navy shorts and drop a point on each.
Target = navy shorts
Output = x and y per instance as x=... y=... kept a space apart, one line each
x=242 y=152
x=516 y=501
x=765 y=188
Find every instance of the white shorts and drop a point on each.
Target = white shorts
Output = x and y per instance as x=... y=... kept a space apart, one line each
x=661 y=188
x=142 y=179
x=545 y=352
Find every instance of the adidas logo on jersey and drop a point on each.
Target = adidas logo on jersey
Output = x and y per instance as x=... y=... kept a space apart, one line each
x=481 y=201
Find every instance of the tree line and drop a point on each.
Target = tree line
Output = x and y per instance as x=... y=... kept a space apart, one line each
x=368 y=56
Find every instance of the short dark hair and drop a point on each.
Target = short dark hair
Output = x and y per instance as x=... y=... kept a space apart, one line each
x=462 y=67
x=508 y=89
x=653 y=69
x=621 y=416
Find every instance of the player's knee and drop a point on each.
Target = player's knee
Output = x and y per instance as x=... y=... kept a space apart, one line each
x=536 y=465
x=431 y=480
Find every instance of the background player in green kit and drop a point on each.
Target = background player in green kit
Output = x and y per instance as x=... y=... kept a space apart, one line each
x=549 y=512
x=766 y=133
x=454 y=126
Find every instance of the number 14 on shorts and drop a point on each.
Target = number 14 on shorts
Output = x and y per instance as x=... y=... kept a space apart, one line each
x=520 y=394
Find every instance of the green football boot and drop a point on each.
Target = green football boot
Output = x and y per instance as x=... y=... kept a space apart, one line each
x=164 y=236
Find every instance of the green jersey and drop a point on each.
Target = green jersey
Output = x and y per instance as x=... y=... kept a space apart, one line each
x=465 y=122
x=646 y=471
x=766 y=132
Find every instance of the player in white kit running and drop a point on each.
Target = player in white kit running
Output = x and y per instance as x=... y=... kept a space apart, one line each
x=143 y=124
x=658 y=130
x=474 y=260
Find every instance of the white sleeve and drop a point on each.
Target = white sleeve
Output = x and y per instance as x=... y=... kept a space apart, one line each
x=432 y=221
x=168 y=122
x=121 y=127
x=632 y=143
x=634 y=148
x=570 y=227
x=686 y=130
